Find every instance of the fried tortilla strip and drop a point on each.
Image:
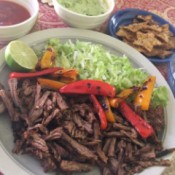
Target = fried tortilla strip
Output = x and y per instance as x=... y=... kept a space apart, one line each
x=163 y=37
x=142 y=18
x=143 y=26
x=172 y=42
x=158 y=51
x=147 y=40
x=165 y=29
x=135 y=27
x=124 y=34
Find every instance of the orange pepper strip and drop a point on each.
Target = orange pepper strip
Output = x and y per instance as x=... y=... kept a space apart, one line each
x=125 y=93
x=66 y=80
x=67 y=73
x=48 y=58
x=107 y=108
x=50 y=83
x=114 y=102
x=143 y=98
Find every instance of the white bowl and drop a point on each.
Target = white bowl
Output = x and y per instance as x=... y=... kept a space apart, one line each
x=82 y=21
x=11 y=32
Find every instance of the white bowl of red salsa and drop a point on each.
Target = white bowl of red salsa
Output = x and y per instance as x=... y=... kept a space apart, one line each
x=17 y=18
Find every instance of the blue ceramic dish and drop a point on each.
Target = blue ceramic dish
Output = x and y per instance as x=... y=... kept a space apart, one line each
x=171 y=75
x=126 y=16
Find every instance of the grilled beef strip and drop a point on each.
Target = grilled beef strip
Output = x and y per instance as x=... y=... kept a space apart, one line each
x=54 y=134
x=113 y=165
x=61 y=102
x=48 y=164
x=111 y=149
x=82 y=124
x=49 y=118
x=107 y=142
x=106 y=171
x=96 y=128
x=54 y=152
x=63 y=152
x=13 y=85
x=141 y=165
x=164 y=152
x=82 y=150
x=38 y=142
x=2 y=105
x=120 y=126
x=9 y=105
x=37 y=94
x=72 y=166
x=37 y=110
x=101 y=154
x=90 y=143
x=86 y=111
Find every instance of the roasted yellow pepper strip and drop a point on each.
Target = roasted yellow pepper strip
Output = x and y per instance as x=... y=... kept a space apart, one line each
x=66 y=73
x=107 y=108
x=114 y=102
x=143 y=98
x=125 y=93
x=50 y=83
x=48 y=59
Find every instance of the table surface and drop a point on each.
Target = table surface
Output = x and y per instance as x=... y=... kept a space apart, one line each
x=165 y=8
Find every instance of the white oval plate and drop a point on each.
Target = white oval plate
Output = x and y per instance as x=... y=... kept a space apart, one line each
x=26 y=165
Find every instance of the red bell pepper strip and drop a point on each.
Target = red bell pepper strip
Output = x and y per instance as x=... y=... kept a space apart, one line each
x=143 y=128
x=100 y=111
x=95 y=87
x=33 y=74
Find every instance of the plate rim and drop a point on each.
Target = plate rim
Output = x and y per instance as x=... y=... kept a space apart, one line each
x=104 y=39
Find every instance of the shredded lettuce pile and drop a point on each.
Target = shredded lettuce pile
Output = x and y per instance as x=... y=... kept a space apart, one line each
x=93 y=61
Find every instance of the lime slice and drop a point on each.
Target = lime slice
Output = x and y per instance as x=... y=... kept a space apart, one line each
x=20 y=57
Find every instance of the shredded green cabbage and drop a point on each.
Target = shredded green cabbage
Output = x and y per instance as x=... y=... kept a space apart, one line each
x=94 y=62
x=160 y=96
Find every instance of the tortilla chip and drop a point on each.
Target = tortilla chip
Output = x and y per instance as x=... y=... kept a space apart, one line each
x=147 y=40
x=125 y=34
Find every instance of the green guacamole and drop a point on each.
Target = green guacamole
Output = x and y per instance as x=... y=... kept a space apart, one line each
x=86 y=7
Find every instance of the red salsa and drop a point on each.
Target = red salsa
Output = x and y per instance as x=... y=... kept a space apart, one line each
x=12 y=13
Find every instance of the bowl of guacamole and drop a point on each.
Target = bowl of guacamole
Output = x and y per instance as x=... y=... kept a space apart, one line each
x=86 y=7
x=85 y=14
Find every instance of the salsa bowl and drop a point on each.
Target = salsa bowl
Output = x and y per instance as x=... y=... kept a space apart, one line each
x=16 y=30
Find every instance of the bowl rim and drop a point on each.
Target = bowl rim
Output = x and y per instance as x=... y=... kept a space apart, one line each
x=33 y=15
x=112 y=5
x=123 y=11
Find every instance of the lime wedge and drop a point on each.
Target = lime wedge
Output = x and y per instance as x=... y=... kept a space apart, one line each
x=20 y=57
